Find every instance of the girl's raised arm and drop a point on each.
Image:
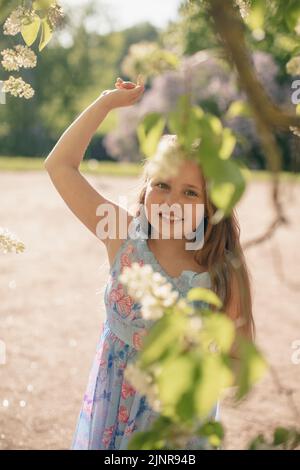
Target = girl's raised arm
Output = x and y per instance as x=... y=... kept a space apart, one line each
x=62 y=164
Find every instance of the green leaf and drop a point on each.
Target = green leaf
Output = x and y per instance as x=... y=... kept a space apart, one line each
x=146 y=440
x=214 y=376
x=281 y=435
x=228 y=144
x=175 y=379
x=185 y=409
x=256 y=17
x=257 y=443
x=154 y=438
x=42 y=4
x=238 y=108
x=217 y=329
x=213 y=430
x=287 y=43
x=46 y=34
x=292 y=15
x=149 y=132
x=184 y=121
x=210 y=130
x=30 y=29
x=252 y=366
x=206 y=295
x=222 y=194
x=226 y=185
x=163 y=339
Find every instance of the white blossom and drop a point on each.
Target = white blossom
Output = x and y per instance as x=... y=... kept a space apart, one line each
x=8 y=242
x=244 y=6
x=13 y=23
x=55 y=16
x=149 y=288
x=167 y=158
x=144 y=384
x=22 y=56
x=17 y=87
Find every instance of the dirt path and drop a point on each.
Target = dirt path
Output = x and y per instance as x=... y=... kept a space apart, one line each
x=52 y=308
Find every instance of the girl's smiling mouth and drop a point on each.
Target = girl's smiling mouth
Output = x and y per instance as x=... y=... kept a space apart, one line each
x=170 y=218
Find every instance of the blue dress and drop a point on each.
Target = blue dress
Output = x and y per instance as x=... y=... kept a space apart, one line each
x=112 y=410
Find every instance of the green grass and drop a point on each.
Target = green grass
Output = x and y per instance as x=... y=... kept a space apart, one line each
x=103 y=168
x=120 y=169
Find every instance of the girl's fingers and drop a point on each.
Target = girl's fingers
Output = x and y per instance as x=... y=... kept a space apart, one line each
x=140 y=79
x=129 y=84
x=133 y=90
x=126 y=85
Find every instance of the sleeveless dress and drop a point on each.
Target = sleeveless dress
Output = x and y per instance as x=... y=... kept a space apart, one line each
x=112 y=410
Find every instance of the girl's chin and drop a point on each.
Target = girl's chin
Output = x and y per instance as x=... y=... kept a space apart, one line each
x=169 y=230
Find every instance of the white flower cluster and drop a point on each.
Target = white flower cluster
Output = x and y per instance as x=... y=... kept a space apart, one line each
x=167 y=158
x=8 y=242
x=55 y=16
x=149 y=288
x=244 y=6
x=17 y=87
x=144 y=384
x=22 y=56
x=12 y=25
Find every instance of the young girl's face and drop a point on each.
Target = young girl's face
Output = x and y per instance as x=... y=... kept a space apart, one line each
x=181 y=196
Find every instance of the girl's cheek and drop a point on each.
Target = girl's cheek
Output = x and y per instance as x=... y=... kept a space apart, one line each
x=153 y=198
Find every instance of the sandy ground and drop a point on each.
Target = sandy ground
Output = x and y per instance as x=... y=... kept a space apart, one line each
x=52 y=309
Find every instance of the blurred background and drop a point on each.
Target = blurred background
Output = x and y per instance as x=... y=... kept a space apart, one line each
x=94 y=46
x=51 y=295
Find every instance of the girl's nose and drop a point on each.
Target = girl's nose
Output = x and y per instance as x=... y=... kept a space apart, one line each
x=173 y=207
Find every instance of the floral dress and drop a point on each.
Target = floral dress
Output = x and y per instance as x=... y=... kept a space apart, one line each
x=112 y=410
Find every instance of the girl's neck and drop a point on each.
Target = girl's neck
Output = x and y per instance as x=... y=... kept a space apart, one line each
x=171 y=248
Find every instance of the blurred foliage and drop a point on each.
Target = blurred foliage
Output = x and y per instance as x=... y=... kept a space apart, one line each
x=214 y=86
x=149 y=59
x=272 y=26
x=6 y=8
x=66 y=80
x=282 y=439
x=192 y=370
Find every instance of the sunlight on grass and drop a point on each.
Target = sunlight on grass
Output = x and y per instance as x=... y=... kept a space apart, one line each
x=120 y=168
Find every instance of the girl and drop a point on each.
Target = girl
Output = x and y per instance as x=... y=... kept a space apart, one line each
x=112 y=410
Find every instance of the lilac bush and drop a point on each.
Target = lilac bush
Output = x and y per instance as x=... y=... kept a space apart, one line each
x=212 y=83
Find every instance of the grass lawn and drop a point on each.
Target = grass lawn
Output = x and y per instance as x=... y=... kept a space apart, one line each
x=118 y=169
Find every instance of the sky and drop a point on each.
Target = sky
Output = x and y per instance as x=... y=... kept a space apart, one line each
x=125 y=13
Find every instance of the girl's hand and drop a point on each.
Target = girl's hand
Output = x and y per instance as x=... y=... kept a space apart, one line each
x=125 y=94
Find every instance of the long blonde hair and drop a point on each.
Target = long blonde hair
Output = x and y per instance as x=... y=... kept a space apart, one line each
x=222 y=255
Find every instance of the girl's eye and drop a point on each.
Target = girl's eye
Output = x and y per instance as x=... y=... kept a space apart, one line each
x=191 y=192
x=163 y=184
